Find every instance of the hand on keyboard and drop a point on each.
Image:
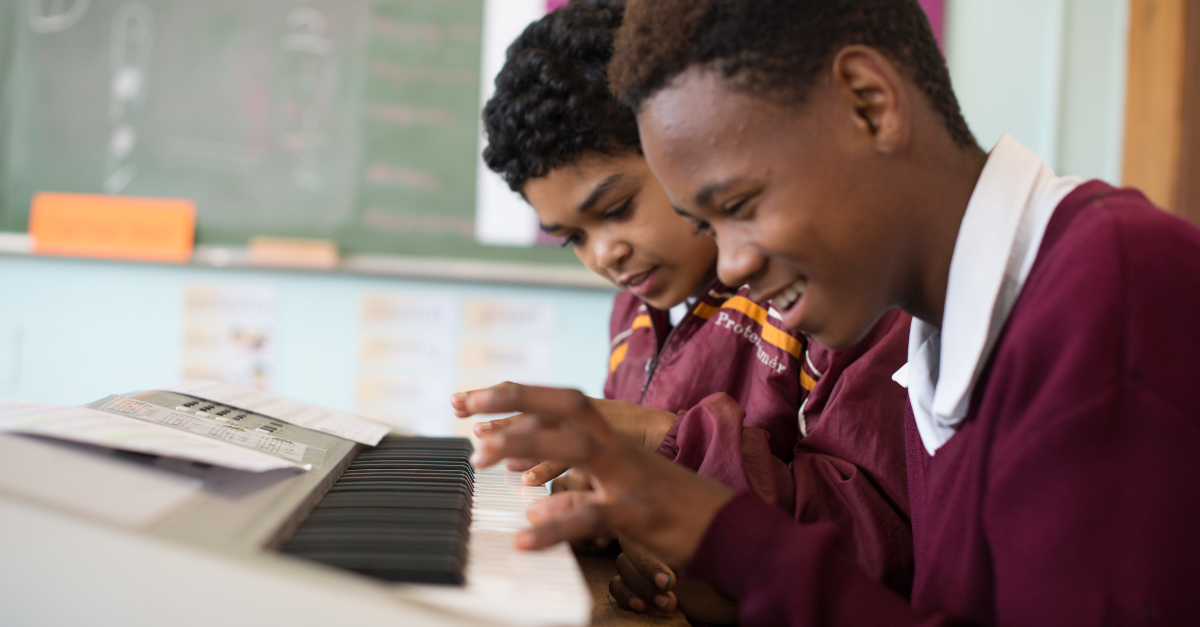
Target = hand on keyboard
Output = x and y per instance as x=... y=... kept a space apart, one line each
x=638 y=492
x=644 y=425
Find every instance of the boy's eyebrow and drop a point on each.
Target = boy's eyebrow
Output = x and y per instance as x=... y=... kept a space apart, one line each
x=704 y=196
x=598 y=191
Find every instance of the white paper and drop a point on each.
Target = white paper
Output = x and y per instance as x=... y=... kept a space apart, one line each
x=91 y=482
x=92 y=426
x=293 y=412
x=279 y=447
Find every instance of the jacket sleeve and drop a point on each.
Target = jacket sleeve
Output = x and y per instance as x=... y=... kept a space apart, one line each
x=783 y=573
x=850 y=468
x=710 y=439
x=816 y=486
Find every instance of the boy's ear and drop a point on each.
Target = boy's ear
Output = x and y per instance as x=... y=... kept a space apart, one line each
x=877 y=91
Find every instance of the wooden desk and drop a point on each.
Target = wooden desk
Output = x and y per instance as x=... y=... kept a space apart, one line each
x=597 y=570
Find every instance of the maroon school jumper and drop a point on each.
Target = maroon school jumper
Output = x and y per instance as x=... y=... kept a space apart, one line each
x=848 y=470
x=1070 y=494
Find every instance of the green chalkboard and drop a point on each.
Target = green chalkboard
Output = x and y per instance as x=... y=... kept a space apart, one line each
x=351 y=120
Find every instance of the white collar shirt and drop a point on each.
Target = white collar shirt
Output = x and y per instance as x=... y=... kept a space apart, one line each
x=997 y=243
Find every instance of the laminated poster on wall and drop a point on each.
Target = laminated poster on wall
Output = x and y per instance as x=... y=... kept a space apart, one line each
x=406 y=359
x=230 y=332
x=415 y=349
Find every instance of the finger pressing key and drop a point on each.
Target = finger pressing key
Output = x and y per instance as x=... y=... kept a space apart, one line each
x=533 y=439
x=564 y=517
x=494 y=425
x=543 y=472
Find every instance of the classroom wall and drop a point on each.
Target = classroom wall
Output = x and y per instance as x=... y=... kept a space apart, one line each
x=73 y=331
x=1050 y=72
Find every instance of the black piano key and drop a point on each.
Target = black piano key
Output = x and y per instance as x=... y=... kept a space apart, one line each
x=346 y=517
x=401 y=511
x=411 y=568
x=415 y=534
x=401 y=498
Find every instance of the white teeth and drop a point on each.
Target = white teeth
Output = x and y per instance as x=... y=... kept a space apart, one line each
x=788 y=296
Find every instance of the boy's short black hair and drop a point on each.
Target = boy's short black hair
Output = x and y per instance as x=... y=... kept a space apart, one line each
x=552 y=104
x=776 y=48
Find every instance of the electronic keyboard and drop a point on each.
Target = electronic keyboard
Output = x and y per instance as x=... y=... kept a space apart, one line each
x=407 y=532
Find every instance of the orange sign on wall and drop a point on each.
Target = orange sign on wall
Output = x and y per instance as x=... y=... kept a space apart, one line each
x=113 y=227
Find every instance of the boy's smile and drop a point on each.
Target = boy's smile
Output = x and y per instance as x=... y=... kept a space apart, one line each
x=615 y=215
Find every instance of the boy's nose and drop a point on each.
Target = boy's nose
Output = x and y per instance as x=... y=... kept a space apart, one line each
x=610 y=252
x=736 y=263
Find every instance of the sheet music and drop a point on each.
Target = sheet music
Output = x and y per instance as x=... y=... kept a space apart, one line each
x=279 y=447
x=294 y=412
x=92 y=426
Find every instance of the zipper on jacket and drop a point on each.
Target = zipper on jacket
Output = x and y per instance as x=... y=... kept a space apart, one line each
x=650 y=363
x=653 y=362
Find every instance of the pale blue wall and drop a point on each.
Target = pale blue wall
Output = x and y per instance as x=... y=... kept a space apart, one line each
x=1051 y=73
x=73 y=331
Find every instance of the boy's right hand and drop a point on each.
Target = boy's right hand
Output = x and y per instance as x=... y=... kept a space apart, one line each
x=535 y=472
x=646 y=426
x=639 y=493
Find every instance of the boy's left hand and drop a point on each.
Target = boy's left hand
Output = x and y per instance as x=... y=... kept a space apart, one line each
x=645 y=583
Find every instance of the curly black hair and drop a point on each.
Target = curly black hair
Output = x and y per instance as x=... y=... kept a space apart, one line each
x=776 y=48
x=552 y=105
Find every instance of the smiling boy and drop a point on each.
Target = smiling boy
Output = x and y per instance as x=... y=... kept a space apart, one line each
x=1052 y=422
x=722 y=368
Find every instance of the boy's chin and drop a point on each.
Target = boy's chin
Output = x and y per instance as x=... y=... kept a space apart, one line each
x=842 y=333
x=663 y=302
